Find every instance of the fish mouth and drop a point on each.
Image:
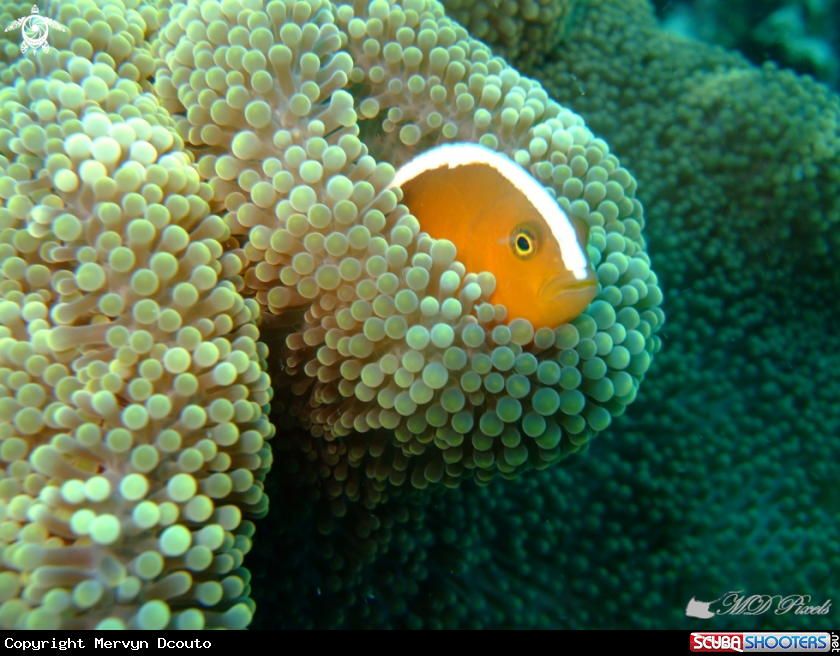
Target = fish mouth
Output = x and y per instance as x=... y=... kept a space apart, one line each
x=569 y=283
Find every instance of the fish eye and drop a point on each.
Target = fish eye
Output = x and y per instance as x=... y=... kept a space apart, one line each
x=523 y=242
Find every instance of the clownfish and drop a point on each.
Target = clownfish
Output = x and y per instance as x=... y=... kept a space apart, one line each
x=503 y=221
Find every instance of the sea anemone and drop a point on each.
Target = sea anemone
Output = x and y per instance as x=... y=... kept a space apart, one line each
x=131 y=375
x=402 y=370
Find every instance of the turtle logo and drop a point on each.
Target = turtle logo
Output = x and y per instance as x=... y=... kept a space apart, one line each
x=34 y=30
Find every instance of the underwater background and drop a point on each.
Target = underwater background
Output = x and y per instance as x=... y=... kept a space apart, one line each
x=722 y=475
x=161 y=420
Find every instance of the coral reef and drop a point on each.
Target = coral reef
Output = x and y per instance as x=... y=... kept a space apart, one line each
x=739 y=168
x=798 y=34
x=525 y=31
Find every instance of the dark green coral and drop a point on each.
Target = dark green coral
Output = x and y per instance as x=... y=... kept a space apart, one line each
x=796 y=34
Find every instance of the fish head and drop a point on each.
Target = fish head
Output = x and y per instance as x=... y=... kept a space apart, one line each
x=536 y=282
x=504 y=221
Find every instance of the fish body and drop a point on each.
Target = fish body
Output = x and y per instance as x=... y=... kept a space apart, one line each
x=503 y=221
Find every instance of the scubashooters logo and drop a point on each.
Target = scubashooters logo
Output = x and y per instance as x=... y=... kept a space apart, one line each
x=736 y=603
x=34 y=30
x=761 y=641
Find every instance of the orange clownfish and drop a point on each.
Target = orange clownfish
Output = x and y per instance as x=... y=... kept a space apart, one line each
x=503 y=221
